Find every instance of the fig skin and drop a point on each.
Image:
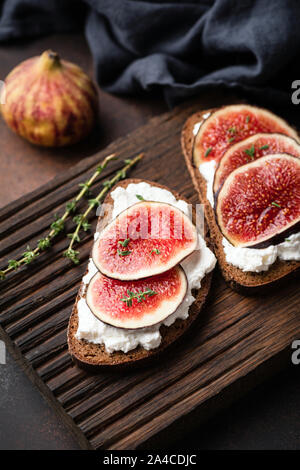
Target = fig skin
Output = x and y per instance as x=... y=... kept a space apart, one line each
x=49 y=101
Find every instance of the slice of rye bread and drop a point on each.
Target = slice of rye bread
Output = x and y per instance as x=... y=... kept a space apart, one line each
x=244 y=282
x=92 y=356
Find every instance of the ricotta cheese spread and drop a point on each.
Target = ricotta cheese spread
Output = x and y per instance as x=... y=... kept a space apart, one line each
x=199 y=124
x=207 y=170
x=196 y=266
x=257 y=260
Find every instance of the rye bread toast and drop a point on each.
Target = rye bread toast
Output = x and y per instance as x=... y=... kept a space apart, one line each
x=245 y=282
x=92 y=356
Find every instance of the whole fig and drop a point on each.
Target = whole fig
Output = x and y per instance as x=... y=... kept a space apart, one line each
x=49 y=101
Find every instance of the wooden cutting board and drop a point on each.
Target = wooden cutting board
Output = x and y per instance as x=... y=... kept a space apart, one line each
x=237 y=341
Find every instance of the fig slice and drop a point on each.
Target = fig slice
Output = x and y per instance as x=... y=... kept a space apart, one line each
x=260 y=202
x=251 y=149
x=146 y=239
x=231 y=124
x=136 y=304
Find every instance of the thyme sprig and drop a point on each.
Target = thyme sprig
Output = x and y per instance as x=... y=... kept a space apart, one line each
x=81 y=219
x=250 y=152
x=140 y=296
x=124 y=243
x=208 y=151
x=58 y=225
x=232 y=130
x=123 y=253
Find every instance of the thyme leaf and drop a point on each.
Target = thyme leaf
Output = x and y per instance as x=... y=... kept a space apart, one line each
x=125 y=242
x=139 y=296
x=250 y=152
x=123 y=253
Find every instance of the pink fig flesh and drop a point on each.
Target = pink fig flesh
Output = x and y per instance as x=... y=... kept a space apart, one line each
x=146 y=239
x=260 y=201
x=231 y=124
x=136 y=304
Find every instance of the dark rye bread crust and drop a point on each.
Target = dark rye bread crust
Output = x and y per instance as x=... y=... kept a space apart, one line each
x=93 y=356
x=245 y=282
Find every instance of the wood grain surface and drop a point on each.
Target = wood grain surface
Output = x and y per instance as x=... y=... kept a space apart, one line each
x=236 y=342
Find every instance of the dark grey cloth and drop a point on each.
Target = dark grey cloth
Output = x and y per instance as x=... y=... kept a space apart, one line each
x=179 y=47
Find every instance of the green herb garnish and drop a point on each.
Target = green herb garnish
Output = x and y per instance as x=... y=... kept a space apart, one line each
x=57 y=226
x=156 y=251
x=138 y=196
x=247 y=119
x=232 y=130
x=123 y=253
x=86 y=185
x=125 y=242
x=71 y=206
x=44 y=243
x=231 y=139
x=107 y=184
x=140 y=296
x=72 y=255
x=275 y=204
x=13 y=263
x=264 y=147
x=250 y=152
x=94 y=202
x=208 y=151
x=29 y=255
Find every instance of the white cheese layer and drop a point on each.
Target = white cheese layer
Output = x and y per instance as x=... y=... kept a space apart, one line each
x=199 y=124
x=196 y=266
x=257 y=260
x=207 y=170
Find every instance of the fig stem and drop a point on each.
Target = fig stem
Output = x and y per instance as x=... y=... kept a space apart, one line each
x=53 y=56
x=49 y=60
x=58 y=225
x=81 y=221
